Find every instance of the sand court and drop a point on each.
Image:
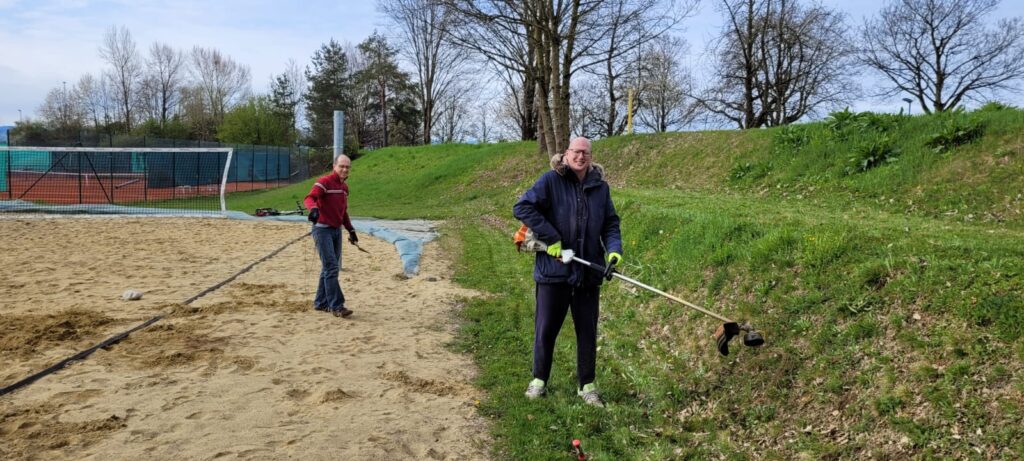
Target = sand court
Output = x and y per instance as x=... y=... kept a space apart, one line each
x=248 y=371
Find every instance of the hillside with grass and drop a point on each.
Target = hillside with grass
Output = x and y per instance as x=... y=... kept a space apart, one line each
x=880 y=255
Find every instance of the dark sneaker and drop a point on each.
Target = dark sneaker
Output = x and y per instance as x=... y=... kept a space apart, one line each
x=342 y=312
x=321 y=309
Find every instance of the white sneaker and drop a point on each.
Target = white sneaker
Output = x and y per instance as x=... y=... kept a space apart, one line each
x=591 y=396
x=536 y=389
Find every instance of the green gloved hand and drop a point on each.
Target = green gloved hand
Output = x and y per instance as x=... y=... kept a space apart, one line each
x=609 y=268
x=555 y=249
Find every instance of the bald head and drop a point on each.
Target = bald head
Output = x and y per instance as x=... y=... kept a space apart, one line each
x=342 y=166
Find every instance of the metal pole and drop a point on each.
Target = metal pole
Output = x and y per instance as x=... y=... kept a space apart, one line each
x=79 y=158
x=655 y=290
x=339 y=133
x=10 y=187
x=110 y=160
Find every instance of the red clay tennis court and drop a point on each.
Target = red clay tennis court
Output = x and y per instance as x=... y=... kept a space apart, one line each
x=119 y=188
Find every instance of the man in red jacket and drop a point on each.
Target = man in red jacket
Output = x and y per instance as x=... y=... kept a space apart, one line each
x=328 y=211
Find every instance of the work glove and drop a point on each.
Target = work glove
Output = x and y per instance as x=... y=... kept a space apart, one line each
x=609 y=268
x=555 y=249
x=352 y=237
x=314 y=215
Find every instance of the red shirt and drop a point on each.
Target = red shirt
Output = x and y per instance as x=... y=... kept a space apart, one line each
x=330 y=195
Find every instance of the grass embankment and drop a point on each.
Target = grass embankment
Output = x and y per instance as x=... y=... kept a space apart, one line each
x=881 y=256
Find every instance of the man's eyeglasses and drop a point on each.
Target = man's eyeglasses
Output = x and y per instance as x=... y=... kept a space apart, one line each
x=583 y=152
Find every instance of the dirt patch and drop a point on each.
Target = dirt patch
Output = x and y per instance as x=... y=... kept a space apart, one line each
x=30 y=432
x=247 y=297
x=25 y=335
x=421 y=385
x=168 y=345
x=335 y=395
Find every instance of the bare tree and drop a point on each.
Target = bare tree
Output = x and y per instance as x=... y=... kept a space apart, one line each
x=125 y=73
x=94 y=100
x=166 y=69
x=778 y=61
x=940 y=51
x=221 y=81
x=438 y=62
x=665 y=85
x=626 y=26
x=62 y=111
x=496 y=31
x=482 y=129
x=590 y=106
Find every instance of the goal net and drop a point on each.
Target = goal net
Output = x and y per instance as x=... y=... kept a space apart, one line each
x=86 y=179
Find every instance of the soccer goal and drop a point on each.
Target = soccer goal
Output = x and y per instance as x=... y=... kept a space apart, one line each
x=87 y=179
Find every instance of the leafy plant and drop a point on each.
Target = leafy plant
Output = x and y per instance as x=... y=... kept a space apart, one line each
x=872 y=153
x=790 y=137
x=839 y=121
x=844 y=124
x=994 y=106
x=750 y=171
x=956 y=130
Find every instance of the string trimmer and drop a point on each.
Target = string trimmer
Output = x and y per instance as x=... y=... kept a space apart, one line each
x=527 y=242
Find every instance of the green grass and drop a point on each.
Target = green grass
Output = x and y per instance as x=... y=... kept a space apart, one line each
x=891 y=297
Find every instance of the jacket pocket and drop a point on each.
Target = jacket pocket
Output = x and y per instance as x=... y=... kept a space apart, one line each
x=550 y=268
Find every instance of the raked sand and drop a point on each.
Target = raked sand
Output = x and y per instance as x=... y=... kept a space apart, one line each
x=248 y=371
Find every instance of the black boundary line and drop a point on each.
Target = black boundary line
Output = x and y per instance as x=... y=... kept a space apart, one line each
x=124 y=334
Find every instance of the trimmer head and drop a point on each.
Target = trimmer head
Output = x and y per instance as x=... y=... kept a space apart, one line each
x=724 y=334
x=753 y=339
x=728 y=330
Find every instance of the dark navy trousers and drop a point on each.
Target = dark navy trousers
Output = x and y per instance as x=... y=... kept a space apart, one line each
x=554 y=300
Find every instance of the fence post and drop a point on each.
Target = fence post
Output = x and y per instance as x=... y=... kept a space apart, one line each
x=79 y=158
x=10 y=187
x=174 y=174
x=252 y=167
x=110 y=161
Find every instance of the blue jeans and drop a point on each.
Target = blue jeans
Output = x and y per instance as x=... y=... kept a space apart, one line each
x=328 y=290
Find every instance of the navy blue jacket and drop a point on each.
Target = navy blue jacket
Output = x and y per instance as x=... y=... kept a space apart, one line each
x=580 y=215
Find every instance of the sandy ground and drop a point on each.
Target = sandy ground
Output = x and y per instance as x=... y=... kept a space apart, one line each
x=248 y=371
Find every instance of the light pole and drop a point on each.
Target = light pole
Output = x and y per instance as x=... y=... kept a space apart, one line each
x=908 y=101
x=20 y=120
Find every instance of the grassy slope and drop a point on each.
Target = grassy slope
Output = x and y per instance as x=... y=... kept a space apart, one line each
x=891 y=299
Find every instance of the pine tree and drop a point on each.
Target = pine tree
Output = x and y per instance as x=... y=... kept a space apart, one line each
x=283 y=102
x=329 y=90
x=388 y=93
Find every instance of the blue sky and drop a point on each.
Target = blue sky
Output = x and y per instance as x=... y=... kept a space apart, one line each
x=46 y=42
